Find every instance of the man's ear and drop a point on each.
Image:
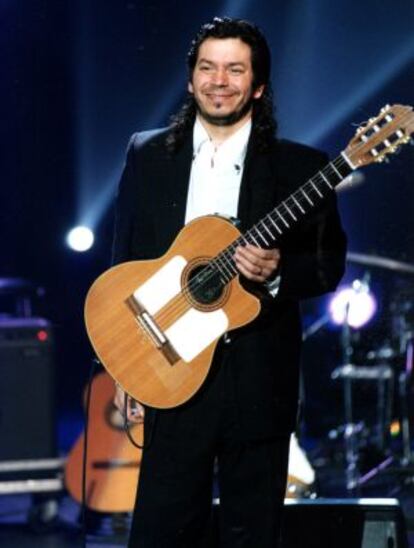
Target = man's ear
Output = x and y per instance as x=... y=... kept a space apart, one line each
x=190 y=87
x=258 y=92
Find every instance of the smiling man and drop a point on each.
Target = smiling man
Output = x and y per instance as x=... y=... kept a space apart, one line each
x=221 y=155
x=222 y=84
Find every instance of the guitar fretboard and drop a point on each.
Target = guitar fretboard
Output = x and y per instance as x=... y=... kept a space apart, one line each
x=266 y=232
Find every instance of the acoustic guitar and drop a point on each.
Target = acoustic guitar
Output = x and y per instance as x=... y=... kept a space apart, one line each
x=155 y=324
x=113 y=463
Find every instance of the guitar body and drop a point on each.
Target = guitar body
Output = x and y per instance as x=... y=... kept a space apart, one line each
x=152 y=333
x=112 y=465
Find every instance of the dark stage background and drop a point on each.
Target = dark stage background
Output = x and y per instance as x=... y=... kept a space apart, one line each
x=77 y=78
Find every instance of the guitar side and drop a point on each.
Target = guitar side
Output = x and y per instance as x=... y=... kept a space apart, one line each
x=127 y=350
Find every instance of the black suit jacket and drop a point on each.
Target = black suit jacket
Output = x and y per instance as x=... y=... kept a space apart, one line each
x=264 y=356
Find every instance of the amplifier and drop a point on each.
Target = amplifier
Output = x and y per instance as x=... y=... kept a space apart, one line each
x=27 y=389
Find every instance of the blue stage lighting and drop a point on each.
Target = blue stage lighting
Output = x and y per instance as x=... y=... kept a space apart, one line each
x=80 y=238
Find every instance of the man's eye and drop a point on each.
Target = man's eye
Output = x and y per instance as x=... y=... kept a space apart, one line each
x=205 y=67
x=236 y=71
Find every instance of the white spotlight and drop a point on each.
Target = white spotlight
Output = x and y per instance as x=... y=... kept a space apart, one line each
x=356 y=305
x=80 y=238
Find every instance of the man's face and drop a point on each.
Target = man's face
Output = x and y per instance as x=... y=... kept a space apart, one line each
x=222 y=82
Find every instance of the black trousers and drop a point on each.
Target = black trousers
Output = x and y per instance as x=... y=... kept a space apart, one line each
x=174 y=501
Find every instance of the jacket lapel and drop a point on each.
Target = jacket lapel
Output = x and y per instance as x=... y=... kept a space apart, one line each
x=178 y=175
x=258 y=191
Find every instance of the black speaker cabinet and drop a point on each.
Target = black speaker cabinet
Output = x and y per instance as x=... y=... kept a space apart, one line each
x=27 y=390
x=344 y=523
x=334 y=523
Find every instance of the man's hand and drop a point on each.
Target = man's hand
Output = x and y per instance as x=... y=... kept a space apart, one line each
x=134 y=410
x=256 y=264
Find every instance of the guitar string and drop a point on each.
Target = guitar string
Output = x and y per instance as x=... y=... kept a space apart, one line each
x=179 y=303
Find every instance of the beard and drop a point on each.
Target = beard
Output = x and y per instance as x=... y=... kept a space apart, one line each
x=225 y=119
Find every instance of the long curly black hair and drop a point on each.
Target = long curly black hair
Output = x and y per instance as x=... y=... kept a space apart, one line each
x=264 y=122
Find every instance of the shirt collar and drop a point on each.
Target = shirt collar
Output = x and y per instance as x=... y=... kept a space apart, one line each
x=235 y=145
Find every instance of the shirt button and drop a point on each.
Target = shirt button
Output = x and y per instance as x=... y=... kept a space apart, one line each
x=226 y=338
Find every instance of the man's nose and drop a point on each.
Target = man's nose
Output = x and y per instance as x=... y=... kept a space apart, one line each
x=221 y=77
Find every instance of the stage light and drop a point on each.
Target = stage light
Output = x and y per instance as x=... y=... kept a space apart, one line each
x=355 y=305
x=42 y=335
x=80 y=238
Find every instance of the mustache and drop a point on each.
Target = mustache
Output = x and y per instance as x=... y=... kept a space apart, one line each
x=219 y=90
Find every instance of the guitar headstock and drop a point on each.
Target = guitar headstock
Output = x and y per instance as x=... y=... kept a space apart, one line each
x=381 y=135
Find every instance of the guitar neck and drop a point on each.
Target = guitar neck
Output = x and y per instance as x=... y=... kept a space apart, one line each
x=268 y=231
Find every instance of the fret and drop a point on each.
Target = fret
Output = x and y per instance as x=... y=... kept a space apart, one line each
x=230 y=261
x=262 y=237
x=291 y=214
x=336 y=171
x=298 y=204
x=325 y=179
x=232 y=247
x=307 y=197
x=348 y=161
x=283 y=219
x=267 y=230
x=316 y=188
x=274 y=223
x=224 y=271
x=254 y=239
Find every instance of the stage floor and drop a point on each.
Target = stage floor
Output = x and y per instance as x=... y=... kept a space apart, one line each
x=54 y=521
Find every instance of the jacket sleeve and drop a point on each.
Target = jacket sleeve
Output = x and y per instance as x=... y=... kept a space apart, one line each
x=313 y=256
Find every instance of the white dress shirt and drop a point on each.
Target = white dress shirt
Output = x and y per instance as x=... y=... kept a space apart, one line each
x=216 y=174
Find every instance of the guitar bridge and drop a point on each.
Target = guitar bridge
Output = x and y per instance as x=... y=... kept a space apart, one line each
x=151 y=328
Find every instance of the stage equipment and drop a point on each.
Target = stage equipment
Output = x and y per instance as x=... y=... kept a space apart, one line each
x=381 y=262
x=28 y=451
x=344 y=523
x=27 y=389
x=389 y=368
x=382 y=377
x=16 y=296
x=336 y=523
x=399 y=354
x=402 y=310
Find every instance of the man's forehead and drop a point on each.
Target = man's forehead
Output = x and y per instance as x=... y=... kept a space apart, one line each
x=228 y=50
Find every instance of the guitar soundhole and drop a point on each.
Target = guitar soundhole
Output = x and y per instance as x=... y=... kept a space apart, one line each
x=204 y=285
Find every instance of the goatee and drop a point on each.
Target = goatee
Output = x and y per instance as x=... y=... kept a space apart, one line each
x=225 y=119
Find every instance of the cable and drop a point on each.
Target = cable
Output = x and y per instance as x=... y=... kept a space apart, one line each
x=95 y=362
x=127 y=424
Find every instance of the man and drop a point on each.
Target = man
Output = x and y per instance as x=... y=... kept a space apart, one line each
x=221 y=156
